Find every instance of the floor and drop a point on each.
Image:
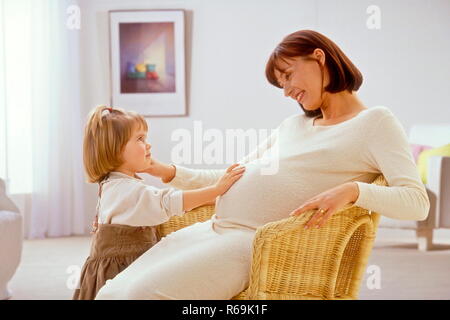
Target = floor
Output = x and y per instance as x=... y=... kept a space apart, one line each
x=396 y=269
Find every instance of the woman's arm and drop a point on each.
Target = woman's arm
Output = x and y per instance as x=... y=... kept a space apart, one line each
x=405 y=197
x=188 y=179
x=185 y=178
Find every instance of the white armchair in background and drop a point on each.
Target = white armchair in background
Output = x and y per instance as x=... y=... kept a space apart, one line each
x=11 y=239
x=438 y=186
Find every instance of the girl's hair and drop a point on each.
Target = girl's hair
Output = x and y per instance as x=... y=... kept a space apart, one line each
x=106 y=133
x=343 y=73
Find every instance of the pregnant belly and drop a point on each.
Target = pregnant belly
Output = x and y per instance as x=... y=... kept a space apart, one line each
x=258 y=198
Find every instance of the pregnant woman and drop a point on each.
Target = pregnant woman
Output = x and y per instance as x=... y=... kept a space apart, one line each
x=326 y=158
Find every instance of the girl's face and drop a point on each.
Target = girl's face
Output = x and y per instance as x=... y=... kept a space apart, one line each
x=136 y=154
x=301 y=79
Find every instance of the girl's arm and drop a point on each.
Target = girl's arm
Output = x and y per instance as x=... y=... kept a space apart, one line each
x=126 y=202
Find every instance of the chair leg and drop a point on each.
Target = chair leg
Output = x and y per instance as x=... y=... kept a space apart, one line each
x=424 y=239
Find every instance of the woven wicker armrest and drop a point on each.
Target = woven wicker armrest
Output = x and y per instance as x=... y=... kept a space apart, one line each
x=290 y=262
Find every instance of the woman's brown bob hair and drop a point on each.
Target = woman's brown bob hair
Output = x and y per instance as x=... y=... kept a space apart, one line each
x=106 y=134
x=343 y=73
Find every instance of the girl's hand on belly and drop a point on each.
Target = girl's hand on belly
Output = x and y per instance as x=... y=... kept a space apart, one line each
x=327 y=203
x=233 y=174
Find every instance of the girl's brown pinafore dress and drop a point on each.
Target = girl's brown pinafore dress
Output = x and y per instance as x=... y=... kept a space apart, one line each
x=114 y=247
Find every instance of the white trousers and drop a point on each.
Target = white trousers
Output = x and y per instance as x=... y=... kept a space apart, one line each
x=196 y=262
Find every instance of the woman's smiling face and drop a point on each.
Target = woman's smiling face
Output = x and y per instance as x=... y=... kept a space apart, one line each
x=301 y=78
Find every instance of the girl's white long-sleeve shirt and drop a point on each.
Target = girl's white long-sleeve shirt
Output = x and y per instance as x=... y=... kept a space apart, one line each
x=128 y=200
x=300 y=160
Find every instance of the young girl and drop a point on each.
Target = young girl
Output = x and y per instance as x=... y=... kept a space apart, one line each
x=128 y=210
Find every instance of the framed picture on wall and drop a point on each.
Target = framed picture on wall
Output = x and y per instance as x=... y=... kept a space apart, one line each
x=148 y=62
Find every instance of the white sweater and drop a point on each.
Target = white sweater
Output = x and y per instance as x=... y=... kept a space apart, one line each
x=312 y=159
x=127 y=200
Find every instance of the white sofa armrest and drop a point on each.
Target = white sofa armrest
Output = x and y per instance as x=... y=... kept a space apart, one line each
x=5 y=202
x=11 y=235
x=11 y=238
x=438 y=187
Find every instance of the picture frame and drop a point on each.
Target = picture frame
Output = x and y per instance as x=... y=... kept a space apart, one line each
x=147 y=61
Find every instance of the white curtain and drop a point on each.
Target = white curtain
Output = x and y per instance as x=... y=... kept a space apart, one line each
x=50 y=152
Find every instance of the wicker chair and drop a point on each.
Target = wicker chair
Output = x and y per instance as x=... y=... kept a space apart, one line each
x=290 y=262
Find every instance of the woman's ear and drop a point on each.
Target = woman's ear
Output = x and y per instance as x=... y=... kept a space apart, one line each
x=320 y=56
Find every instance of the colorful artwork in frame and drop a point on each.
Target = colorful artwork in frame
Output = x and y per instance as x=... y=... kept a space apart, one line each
x=147 y=61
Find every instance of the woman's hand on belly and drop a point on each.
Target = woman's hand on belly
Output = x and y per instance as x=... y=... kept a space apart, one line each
x=327 y=203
